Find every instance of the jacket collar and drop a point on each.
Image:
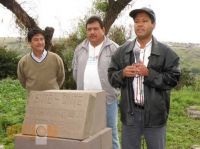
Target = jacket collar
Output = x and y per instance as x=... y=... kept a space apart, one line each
x=154 y=48
x=130 y=46
x=107 y=42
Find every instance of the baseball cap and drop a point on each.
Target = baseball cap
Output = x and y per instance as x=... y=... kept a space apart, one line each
x=149 y=11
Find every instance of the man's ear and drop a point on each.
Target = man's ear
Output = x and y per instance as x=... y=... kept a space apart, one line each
x=154 y=25
x=104 y=30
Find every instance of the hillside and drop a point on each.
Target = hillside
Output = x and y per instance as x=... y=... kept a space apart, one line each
x=189 y=53
x=16 y=44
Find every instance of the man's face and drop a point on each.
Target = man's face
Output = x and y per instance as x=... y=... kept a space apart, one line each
x=37 y=43
x=143 y=26
x=95 y=33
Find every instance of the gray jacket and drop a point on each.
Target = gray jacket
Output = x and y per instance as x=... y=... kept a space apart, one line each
x=80 y=60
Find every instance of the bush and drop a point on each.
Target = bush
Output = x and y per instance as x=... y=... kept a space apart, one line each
x=12 y=109
x=117 y=34
x=8 y=63
x=186 y=79
x=66 y=53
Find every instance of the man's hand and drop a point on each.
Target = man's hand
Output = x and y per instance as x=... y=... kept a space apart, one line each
x=130 y=71
x=138 y=69
x=142 y=69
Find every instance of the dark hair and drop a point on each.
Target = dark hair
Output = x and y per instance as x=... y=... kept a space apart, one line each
x=33 y=32
x=93 y=19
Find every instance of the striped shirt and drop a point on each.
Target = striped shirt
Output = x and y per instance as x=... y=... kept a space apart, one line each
x=138 y=86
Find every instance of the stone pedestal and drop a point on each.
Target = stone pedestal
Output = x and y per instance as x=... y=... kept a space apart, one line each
x=65 y=113
x=65 y=119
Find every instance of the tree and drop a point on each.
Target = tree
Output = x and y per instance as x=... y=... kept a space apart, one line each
x=27 y=22
x=110 y=10
x=114 y=7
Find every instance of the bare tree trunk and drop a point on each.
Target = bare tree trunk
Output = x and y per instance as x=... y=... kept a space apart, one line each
x=115 y=7
x=26 y=20
x=48 y=37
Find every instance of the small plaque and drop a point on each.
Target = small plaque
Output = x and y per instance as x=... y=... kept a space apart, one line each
x=41 y=130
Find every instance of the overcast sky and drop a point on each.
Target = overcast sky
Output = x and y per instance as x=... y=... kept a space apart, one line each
x=177 y=20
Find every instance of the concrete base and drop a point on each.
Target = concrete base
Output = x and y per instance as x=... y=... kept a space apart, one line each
x=101 y=140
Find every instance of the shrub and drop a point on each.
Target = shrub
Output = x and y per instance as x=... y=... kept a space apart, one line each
x=66 y=53
x=12 y=109
x=117 y=34
x=8 y=63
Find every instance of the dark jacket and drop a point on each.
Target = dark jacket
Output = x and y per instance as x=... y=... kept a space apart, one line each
x=163 y=75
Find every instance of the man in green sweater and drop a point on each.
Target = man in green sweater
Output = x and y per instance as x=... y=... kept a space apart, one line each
x=40 y=69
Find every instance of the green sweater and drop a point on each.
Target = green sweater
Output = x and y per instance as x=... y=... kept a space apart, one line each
x=48 y=74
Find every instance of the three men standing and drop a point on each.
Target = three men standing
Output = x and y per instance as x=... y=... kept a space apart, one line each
x=144 y=69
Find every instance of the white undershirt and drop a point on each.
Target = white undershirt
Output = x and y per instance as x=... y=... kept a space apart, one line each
x=44 y=54
x=138 y=86
x=91 y=75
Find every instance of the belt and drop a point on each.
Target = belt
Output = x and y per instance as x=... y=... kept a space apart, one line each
x=139 y=106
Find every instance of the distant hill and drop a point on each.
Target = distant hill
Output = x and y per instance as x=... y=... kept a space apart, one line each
x=189 y=53
x=15 y=44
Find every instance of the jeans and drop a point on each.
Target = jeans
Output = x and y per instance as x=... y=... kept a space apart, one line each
x=131 y=135
x=112 y=120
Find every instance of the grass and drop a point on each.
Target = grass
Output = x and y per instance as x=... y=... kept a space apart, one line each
x=12 y=107
x=182 y=131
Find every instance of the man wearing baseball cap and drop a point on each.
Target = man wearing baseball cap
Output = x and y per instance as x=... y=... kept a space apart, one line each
x=145 y=70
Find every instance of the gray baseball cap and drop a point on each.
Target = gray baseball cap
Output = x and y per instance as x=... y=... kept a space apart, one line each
x=149 y=11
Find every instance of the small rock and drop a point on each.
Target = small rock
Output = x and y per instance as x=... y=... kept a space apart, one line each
x=1 y=146
x=195 y=147
x=193 y=112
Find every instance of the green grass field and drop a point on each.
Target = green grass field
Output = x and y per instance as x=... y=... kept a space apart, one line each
x=182 y=131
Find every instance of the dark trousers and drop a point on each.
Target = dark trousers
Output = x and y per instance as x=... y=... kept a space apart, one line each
x=131 y=135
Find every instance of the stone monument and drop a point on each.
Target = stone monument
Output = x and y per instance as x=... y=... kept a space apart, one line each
x=65 y=119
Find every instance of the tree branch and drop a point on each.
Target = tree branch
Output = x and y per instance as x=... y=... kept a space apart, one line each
x=27 y=21
x=24 y=18
x=115 y=7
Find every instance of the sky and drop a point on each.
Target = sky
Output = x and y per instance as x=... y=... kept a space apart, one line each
x=176 y=20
